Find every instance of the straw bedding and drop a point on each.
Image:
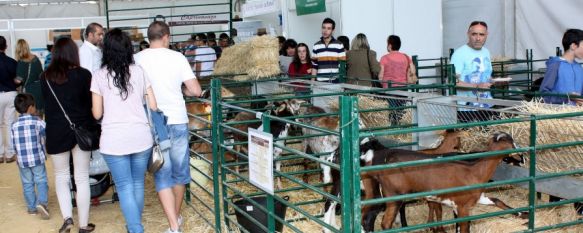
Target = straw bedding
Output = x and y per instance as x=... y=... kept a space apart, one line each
x=257 y=58
x=380 y=118
x=548 y=131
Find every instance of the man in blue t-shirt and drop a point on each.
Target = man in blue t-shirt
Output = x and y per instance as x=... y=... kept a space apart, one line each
x=473 y=69
x=472 y=64
x=564 y=75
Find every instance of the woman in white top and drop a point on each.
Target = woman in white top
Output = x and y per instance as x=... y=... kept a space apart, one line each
x=119 y=89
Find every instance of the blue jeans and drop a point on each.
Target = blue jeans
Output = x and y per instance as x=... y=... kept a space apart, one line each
x=176 y=168
x=128 y=173
x=31 y=177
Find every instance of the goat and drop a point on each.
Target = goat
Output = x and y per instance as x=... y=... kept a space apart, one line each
x=278 y=129
x=448 y=147
x=370 y=188
x=321 y=144
x=204 y=109
x=434 y=177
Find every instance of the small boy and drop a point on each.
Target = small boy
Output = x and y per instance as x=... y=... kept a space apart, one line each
x=564 y=75
x=28 y=134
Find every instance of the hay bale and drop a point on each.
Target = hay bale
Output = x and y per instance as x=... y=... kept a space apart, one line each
x=258 y=58
x=550 y=131
x=233 y=60
x=264 y=57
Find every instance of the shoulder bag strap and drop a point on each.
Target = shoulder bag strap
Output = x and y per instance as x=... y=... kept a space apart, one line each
x=148 y=111
x=28 y=75
x=58 y=102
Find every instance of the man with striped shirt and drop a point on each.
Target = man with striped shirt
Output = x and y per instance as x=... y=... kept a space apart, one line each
x=327 y=53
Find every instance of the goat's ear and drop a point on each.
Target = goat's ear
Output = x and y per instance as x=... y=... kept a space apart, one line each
x=205 y=94
x=281 y=107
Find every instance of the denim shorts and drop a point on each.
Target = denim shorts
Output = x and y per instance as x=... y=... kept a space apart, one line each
x=176 y=168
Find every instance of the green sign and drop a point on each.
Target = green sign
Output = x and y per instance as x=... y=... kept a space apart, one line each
x=306 y=7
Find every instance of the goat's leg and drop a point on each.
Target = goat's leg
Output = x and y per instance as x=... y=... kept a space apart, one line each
x=329 y=215
x=435 y=214
x=500 y=204
x=403 y=215
x=307 y=150
x=369 y=212
x=326 y=169
x=390 y=214
x=278 y=168
x=464 y=211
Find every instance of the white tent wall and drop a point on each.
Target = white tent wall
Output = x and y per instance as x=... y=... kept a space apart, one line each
x=540 y=24
x=514 y=25
x=376 y=22
x=307 y=28
x=498 y=14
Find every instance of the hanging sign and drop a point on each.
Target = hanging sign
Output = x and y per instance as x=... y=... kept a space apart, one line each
x=186 y=20
x=306 y=7
x=256 y=8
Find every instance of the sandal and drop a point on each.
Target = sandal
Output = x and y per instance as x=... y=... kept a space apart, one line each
x=67 y=225
x=89 y=228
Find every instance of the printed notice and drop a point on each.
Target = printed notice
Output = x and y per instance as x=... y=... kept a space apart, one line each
x=261 y=160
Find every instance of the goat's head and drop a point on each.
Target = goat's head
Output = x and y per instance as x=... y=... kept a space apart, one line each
x=198 y=108
x=504 y=141
x=225 y=93
x=287 y=107
x=367 y=148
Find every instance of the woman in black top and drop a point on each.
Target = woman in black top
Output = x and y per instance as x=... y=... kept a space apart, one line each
x=71 y=85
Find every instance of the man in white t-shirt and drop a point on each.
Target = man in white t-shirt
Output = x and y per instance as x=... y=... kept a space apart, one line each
x=90 y=52
x=204 y=60
x=167 y=70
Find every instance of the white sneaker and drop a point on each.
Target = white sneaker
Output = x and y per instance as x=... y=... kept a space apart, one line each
x=171 y=231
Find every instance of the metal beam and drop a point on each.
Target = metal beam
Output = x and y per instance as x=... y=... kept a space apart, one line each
x=563 y=187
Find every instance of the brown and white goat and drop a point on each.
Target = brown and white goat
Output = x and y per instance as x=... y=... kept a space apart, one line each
x=434 y=177
x=322 y=144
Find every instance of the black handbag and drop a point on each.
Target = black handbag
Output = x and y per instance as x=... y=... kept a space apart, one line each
x=87 y=137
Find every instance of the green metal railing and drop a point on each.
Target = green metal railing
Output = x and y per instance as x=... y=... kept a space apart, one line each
x=228 y=183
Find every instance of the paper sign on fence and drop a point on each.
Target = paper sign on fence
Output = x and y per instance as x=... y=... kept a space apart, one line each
x=261 y=160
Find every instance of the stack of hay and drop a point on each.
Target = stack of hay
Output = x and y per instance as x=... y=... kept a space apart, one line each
x=550 y=131
x=258 y=58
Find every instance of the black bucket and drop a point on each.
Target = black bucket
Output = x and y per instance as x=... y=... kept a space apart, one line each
x=259 y=215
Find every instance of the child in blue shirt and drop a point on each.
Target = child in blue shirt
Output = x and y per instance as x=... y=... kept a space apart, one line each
x=28 y=133
x=564 y=75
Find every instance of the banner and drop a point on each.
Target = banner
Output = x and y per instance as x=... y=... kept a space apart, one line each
x=306 y=7
x=187 y=20
x=256 y=8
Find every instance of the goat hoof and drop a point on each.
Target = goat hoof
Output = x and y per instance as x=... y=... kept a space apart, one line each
x=523 y=215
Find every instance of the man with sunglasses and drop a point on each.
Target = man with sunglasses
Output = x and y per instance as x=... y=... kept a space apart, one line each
x=473 y=69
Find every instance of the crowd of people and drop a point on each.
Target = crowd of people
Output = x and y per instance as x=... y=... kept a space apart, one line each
x=104 y=82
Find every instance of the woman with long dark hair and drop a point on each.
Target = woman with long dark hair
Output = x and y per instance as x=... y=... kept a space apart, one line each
x=300 y=66
x=70 y=84
x=119 y=90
